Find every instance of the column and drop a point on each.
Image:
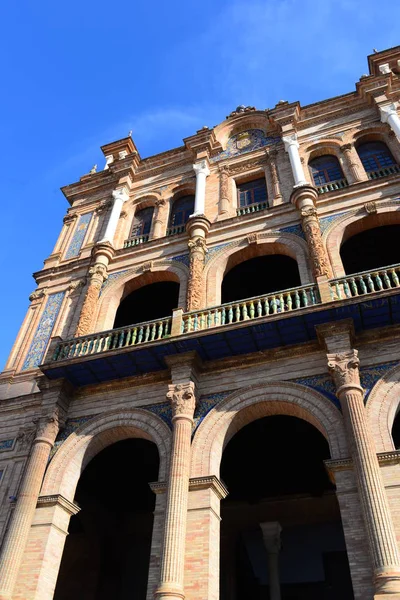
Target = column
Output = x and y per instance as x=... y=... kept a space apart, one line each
x=304 y=199
x=157 y=219
x=344 y=368
x=119 y=196
x=271 y=154
x=224 y=203
x=292 y=148
x=183 y=402
x=353 y=163
x=98 y=275
x=390 y=115
x=272 y=540
x=197 y=228
x=21 y=519
x=202 y=172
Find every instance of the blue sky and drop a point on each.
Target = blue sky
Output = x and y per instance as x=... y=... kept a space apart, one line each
x=76 y=75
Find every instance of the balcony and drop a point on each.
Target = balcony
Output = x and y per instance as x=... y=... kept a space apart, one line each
x=332 y=186
x=288 y=317
x=251 y=208
x=136 y=241
x=384 y=172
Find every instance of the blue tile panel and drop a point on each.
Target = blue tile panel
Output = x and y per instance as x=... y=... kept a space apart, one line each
x=246 y=141
x=111 y=278
x=6 y=444
x=182 y=258
x=71 y=425
x=43 y=331
x=79 y=235
x=322 y=384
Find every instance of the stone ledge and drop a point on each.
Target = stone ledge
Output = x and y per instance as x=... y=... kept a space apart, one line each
x=57 y=499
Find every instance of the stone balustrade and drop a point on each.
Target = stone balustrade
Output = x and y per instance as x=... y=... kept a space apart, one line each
x=246 y=210
x=384 y=172
x=366 y=282
x=332 y=186
x=136 y=241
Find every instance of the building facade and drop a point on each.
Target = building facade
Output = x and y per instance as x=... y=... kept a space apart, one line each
x=201 y=402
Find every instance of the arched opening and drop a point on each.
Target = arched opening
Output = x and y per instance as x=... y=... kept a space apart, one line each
x=374 y=157
x=281 y=501
x=107 y=551
x=396 y=431
x=257 y=276
x=142 y=222
x=325 y=169
x=154 y=301
x=371 y=249
x=252 y=192
x=181 y=210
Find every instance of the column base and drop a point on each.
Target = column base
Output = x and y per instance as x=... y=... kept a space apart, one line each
x=166 y=592
x=387 y=585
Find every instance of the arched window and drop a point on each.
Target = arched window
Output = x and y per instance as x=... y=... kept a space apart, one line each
x=252 y=192
x=375 y=156
x=142 y=222
x=325 y=169
x=182 y=208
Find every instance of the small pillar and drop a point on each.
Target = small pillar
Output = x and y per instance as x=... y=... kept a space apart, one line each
x=272 y=540
x=119 y=196
x=271 y=155
x=224 y=203
x=197 y=228
x=158 y=220
x=292 y=148
x=202 y=172
x=353 y=163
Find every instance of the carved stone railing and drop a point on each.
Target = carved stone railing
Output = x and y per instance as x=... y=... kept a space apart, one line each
x=331 y=186
x=136 y=241
x=384 y=172
x=366 y=282
x=251 y=208
x=176 y=229
x=97 y=343
x=251 y=308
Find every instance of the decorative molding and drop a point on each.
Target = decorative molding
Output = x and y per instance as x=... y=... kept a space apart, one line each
x=208 y=482
x=346 y=464
x=37 y=294
x=243 y=142
x=58 y=500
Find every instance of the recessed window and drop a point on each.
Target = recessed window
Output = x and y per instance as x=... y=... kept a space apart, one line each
x=252 y=192
x=182 y=208
x=375 y=156
x=325 y=169
x=142 y=222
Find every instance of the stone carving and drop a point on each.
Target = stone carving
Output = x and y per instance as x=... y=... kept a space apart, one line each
x=25 y=437
x=198 y=250
x=348 y=152
x=93 y=169
x=103 y=206
x=47 y=427
x=309 y=211
x=98 y=271
x=371 y=208
x=147 y=266
x=69 y=218
x=312 y=231
x=223 y=181
x=76 y=284
x=182 y=399
x=253 y=238
x=247 y=166
x=160 y=202
x=98 y=275
x=344 y=368
x=38 y=294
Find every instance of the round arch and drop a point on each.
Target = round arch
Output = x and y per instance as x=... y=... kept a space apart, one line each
x=252 y=403
x=88 y=440
x=165 y=270
x=382 y=406
x=266 y=243
x=378 y=133
x=353 y=222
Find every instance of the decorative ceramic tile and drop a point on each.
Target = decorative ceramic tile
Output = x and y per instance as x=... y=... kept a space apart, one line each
x=71 y=425
x=6 y=444
x=246 y=141
x=163 y=411
x=369 y=376
x=43 y=331
x=213 y=251
x=111 y=278
x=205 y=404
x=79 y=235
x=182 y=258
x=322 y=384
x=326 y=221
x=295 y=229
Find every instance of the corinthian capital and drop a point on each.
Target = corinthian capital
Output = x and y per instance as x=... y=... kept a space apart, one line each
x=290 y=140
x=201 y=168
x=182 y=398
x=198 y=244
x=98 y=271
x=120 y=194
x=388 y=111
x=344 y=368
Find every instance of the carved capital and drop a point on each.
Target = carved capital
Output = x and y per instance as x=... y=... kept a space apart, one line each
x=198 y=244
x=69 y=218
x=98 y=271
x=182 y=399
x=120 y=194
x=253 y=238
x=76 y=284
x=346 y=148
x=344 y=368
x=37 y=294
x=201 y=168
x=103 y=206
x=160 y=202
x=25 y=437
x=308 y=211
x=390 y=110
x=290 y=140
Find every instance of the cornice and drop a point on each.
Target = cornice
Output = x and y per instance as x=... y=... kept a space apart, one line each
x=346 y=464
x=209 y=482
x=58 y=500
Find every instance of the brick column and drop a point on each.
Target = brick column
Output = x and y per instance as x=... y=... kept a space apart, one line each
x=304 y=198
x=103 y=252
x=344 y=368
x=353 y=163
x=224 y=203
x=183 y=403
x=21 y=519
x=197 y=228
x=271 y=155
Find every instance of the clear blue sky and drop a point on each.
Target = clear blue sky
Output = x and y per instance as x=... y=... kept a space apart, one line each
x=76 y=75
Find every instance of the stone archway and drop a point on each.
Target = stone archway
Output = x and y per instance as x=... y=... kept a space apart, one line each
x=382 y=407
x=263 y=244
x=113 y=290
x=45 y=546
